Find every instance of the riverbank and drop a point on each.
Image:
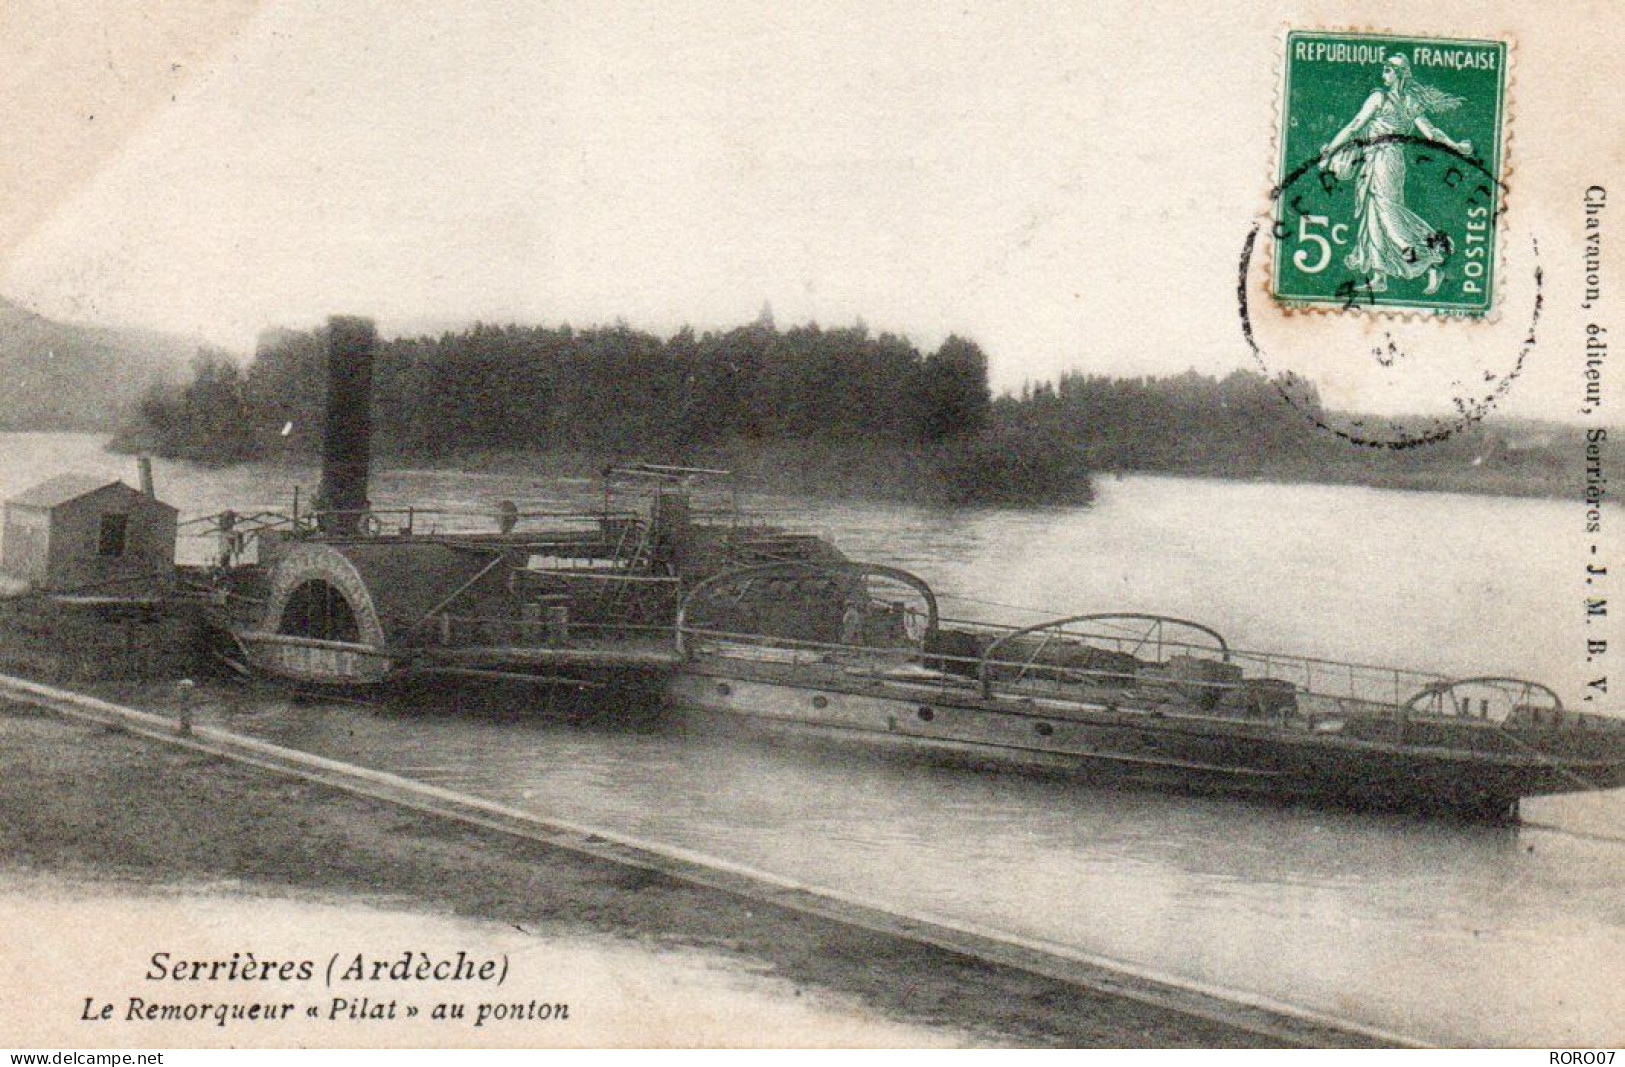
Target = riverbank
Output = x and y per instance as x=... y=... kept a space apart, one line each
x=90 y=807
x=836 y=471
x=1538 y=476
x=985 y=471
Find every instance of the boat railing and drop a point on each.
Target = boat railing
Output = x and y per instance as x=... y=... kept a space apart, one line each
x=218 y=522
x=1151 y=654
x=1021 y=678
x=1339 y=685
x=414 y=521
x=1311 y=690
x=452 y=630
x=700 y=641
x=1105 y=657
x=235 y=533
x=943 y=672
x=1325 y=684
x=239 y=534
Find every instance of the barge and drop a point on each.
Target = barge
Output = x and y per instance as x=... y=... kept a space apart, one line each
x=1165 y=702
x=726 y=615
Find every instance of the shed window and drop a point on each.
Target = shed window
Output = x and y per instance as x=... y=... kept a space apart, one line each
x=111 y=543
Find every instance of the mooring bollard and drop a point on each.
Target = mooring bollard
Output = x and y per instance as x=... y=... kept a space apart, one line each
x=183 y=697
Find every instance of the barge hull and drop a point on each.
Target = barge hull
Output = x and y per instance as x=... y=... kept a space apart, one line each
x=1191 y=753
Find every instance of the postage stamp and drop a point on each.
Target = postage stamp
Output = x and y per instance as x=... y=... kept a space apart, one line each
x=1389 y=180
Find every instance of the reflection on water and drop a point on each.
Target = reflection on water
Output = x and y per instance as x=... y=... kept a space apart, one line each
x=1445 y=931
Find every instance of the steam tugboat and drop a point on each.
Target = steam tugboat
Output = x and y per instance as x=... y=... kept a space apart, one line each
x=732 y=617
x=352 y=595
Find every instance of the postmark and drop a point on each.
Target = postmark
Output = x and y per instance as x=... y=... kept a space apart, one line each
x=1472 y=389
x=1390 y=176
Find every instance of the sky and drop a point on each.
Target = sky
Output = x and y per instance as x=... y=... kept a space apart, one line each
x=1069 y=186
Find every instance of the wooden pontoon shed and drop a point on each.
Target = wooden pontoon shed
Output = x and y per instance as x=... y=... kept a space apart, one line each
x=89 y=534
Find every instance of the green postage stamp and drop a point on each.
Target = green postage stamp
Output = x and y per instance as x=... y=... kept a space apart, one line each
x=1389 y=185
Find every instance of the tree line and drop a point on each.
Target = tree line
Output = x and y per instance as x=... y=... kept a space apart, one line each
x=1240 y=426
x=617 y=392
x=614 y=392
x=604 y=389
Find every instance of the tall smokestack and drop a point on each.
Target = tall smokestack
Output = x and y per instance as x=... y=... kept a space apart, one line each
x=143 y=464
x=347 y=440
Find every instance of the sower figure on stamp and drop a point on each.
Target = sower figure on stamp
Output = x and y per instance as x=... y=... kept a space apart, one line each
x=1392 y=239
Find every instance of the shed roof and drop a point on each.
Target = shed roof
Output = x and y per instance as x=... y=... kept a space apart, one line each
x=63 y=488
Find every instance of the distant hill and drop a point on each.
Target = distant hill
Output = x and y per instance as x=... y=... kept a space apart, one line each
x=63 y=376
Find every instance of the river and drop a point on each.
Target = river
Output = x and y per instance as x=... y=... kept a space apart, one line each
x=1445 y=932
